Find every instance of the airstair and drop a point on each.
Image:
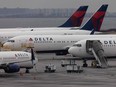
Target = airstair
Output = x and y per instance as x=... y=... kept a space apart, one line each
x=94 y=47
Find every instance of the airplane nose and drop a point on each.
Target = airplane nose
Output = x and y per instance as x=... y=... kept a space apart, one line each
x=70 y=50
x=73 y=51
x=7 y=46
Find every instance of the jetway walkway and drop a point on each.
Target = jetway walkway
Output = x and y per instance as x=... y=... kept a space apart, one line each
x=94 y=47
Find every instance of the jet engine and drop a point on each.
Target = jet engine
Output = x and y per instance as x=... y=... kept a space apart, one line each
x=61 y=53
x=12 y=68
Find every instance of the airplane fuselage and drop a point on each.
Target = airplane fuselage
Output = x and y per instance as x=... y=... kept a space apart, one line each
x=4 y=36
x=47 y=43
x=108 y=46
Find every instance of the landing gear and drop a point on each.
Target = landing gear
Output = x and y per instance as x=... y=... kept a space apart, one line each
x=27 y=71
x=85 y=63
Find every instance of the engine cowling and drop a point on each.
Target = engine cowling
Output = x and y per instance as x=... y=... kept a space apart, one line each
x=12 y=68
x=62 y=53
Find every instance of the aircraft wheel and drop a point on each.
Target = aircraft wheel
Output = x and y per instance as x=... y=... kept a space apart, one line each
x=27 y=71
x=85 y=63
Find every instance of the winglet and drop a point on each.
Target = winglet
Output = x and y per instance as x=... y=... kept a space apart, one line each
x=76 y=19
x=96 y=20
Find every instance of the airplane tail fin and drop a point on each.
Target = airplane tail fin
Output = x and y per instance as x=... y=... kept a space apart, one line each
x=76 y=19
x=96 y=20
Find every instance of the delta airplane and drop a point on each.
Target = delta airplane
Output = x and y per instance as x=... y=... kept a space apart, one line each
x=99 y=49
x=94 y=22
x=108 y=45
x=13 y=61
x=58 y=44
x=74 y=21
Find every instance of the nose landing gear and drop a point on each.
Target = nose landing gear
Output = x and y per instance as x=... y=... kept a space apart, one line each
x=85 y=63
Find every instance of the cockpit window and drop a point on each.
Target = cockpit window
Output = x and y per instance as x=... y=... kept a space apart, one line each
x=11 y=41
x=78 y=45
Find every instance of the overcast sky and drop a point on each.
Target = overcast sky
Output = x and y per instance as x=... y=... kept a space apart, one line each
x=93 y=4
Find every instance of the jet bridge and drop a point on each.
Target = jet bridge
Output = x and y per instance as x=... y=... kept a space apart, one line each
x=94 y=47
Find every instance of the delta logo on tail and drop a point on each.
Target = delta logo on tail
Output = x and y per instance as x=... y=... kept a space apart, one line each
x=96 y=20
x=76 y=19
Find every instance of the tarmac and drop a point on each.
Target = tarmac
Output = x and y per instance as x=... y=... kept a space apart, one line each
x=90 y=77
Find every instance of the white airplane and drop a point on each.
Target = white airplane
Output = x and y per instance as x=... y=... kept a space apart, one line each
x=74 y=21
x=58 y=44
x=4 y=36
x=13 y=61
x=90 y=25
x=99 y=49
x=108 y=45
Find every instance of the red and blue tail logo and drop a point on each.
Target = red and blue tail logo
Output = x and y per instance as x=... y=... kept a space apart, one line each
x=76 y=19
x=96 y=20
